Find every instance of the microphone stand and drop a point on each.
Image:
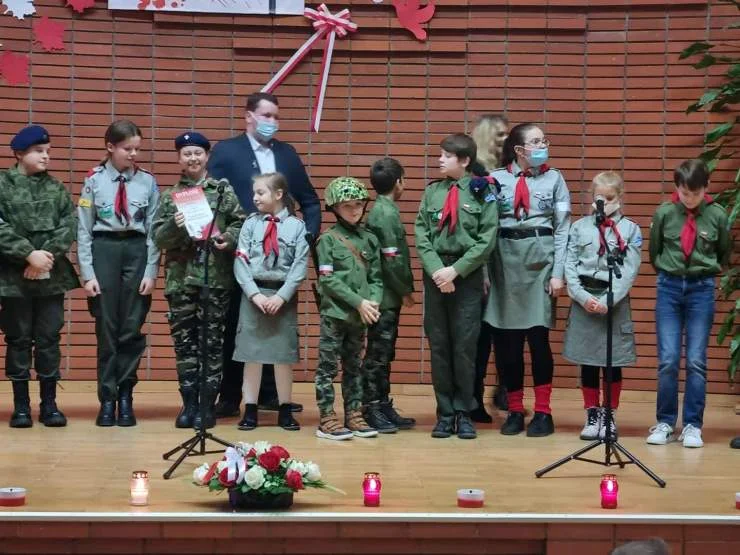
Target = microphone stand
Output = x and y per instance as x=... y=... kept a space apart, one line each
x=199 y=439
x=611 y=445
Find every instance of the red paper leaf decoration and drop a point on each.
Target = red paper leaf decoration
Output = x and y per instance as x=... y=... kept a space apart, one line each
x=48 y=33
x=80 y=5
x=14 y=68
x=411 y=16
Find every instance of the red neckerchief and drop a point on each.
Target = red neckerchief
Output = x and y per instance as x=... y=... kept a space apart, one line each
x=688 y=231
x=449 y=210
x=270 y=240
x=609 y=223
x=121 y=202
x=521 y=192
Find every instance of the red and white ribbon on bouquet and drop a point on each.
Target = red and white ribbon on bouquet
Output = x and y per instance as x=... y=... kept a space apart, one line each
x=328 y=26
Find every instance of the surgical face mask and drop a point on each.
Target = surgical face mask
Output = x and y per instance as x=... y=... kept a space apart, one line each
x=538 y=157
x=266 y=129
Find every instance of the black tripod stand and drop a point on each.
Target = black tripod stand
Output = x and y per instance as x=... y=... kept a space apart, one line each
x=612 y=446
x=196 y=445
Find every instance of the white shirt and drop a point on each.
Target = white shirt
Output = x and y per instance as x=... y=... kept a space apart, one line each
x=264 y=155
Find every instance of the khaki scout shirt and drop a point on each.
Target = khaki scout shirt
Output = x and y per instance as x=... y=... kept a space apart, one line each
x=583 y=259
x=182 y=262
x=712 y=247
x=475 y=234
x=384 y=221
x=292 y=262
x=345 y=281
x=95 y=211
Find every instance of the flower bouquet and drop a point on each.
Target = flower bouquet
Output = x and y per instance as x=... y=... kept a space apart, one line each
x=259 y=476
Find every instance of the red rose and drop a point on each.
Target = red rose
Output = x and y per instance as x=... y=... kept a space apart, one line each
x=294 y=480
x=269 y=461
x=223 y=479
x=252 y=453
x=280 y=452
x=210 y=473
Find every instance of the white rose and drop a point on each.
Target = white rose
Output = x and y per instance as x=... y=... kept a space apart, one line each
x=313 y=473
x=200 y=473
x=243 y=448
x=255 y=477
x=261 y=447
x=298 y=466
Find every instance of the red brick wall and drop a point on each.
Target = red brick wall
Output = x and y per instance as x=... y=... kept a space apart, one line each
x=602 y=77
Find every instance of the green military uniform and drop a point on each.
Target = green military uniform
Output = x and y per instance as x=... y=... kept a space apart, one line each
x=184 y=278
x=384 y=221
x=36 y=213
x=345 y=279
x=452 y=320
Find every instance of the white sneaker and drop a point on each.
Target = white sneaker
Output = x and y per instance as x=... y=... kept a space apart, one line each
x=660 y=434
x=612 y=424
x=691 y=437
x=592 y=427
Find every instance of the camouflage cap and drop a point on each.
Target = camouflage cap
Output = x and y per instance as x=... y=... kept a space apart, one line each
x=343 y=189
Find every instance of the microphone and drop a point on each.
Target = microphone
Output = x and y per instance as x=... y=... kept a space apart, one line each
x=221 y=185
x=600 y=215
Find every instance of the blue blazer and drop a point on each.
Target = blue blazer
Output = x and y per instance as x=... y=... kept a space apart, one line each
x=234 y=159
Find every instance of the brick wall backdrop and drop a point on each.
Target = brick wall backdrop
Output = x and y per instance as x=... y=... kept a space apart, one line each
x=602 y=77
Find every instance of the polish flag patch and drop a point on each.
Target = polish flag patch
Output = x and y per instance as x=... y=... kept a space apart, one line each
x=242 y=255
x=326 y=269
x=389 y=252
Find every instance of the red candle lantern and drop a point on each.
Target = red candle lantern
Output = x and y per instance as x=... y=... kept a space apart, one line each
x=609 y=490
x=371 y=489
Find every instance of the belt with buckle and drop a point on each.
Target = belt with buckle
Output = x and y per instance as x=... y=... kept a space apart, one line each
x=593 y=283
x=269 y=284
x=127 y=234
x=523 y=233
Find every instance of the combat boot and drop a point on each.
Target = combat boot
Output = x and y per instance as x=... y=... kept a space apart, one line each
x=49 y=414
x=189 y=407
x=209 y=409
x=402 y=422
x=376 y=419
x=21 y=417
x=126 y=415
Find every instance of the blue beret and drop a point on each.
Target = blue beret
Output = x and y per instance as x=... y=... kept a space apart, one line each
x=29 y=136
x=192 y=138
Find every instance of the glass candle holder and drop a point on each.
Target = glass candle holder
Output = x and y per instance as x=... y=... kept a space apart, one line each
x=371 y=489
x=139 y=487
x=609 y=490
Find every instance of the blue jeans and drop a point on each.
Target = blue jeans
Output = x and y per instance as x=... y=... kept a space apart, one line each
x=683 y=304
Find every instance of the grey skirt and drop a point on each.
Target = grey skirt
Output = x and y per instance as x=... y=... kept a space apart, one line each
x=265 y=338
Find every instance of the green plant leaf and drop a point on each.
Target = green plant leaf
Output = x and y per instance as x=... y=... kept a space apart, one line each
x=696 y=48
x=726 y=327
x=719 y=132
x=706 y=61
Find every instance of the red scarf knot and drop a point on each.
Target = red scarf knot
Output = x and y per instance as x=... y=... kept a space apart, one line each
x=270 y=240
x=121 y=202
x=449 y=210
x=688 y=231
x=521 y=192
x=608 y=223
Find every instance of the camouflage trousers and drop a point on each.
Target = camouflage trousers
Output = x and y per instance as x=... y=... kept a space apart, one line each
x=185 y=317
x=339 y=340
x=381 y=351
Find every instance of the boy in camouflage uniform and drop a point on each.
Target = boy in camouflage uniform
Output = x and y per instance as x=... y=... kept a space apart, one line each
x=37 y=228
x=384 y=220
x=351 y=289
x=184 y=278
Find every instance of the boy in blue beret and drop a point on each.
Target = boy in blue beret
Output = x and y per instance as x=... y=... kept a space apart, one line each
x=37 y=228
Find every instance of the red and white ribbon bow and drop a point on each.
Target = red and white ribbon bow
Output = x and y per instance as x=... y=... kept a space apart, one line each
x=328 y=26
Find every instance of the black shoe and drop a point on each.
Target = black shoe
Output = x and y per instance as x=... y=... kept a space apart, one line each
x=126 y=417
x=227 y=409
x=274 y=405
x=375 y=418
x=500 y=401
x=445 y=427
x=735 y=443
x=514 y=424
x=49 y=414
x=21 y=417
x=251 y=418
x=465 y=426
x=189 y=408
x=286 y=420
x=480 y=415
x=107 y=415
x=401 y=422
x=541 y=425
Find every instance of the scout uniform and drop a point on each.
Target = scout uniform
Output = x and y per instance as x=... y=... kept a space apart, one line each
x=184 y=280
x=384 y=221
x=587 y=275
x=687 y=249
x=36 y=213
x=463 y=237
x=531 y=249
x=349 y=271
x=114 y=246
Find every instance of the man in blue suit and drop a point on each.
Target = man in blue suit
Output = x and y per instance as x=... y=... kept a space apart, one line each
x=240 y=159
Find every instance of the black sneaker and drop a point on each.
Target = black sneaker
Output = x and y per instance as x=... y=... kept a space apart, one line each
x=481 y=416
x=445 y=427
x=401 y=422
x=514 y=424
x=735 y=443
x=541 y=425
x=377 y=419
x=465 y=427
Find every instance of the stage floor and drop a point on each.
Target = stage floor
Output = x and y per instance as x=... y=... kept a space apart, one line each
x=86 y=469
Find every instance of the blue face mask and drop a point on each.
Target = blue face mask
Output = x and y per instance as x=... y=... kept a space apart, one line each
x=538 y=157
x=266 y=129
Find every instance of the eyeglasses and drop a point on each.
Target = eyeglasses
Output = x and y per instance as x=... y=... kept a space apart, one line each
x=538 y=143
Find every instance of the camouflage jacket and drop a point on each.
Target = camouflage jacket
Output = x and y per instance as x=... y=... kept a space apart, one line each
x=36 y=213
x=183 y=259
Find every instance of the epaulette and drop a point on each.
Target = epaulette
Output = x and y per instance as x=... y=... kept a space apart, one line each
x=253 y=215
x=93 y=171
x=140 y=169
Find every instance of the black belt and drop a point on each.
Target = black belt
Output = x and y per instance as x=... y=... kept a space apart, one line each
x=523 y=233
x=128 y=234
x=269 y=284
x=593 y=283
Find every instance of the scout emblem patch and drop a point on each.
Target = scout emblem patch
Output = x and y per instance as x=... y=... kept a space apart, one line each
x=106 y=212
x=326 y=269
x=85 y=203
x=389 y=252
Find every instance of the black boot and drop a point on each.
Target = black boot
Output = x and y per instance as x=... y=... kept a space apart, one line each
x=500 y=401
x=50 y=415
x=541 y=425
x=21 y=417
x=189 y=407
x=208 y=401
x=126 y=416
x=251 y=418
x=514 y=424
x=401 y=422
x=377 y=419
x=107 y=415
x=285 y=418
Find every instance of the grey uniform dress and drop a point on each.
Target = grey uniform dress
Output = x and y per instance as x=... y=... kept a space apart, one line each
x=587 y=275
x=270 y=339
x=530 y=250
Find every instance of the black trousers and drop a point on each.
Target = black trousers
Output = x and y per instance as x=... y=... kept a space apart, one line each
x=32 y=324
x=231 y=383
x=590 y=375
x=509 y=345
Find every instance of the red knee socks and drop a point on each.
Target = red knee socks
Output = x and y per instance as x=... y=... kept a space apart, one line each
x=542 y=395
